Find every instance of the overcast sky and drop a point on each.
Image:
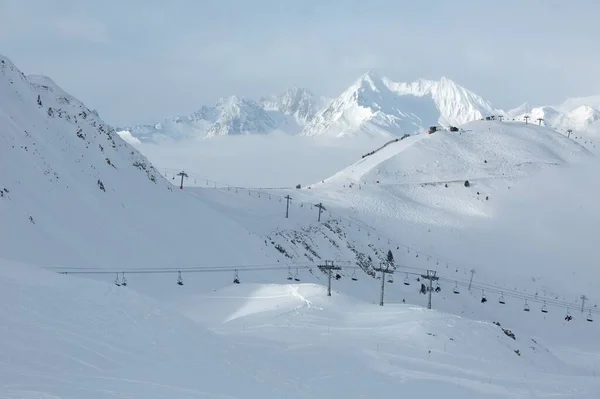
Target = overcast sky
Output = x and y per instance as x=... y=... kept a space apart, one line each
x=137 y=61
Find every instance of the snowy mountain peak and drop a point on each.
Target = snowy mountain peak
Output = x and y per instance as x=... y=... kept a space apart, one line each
x=380 y=106
x=237 y=116
x=298 y=103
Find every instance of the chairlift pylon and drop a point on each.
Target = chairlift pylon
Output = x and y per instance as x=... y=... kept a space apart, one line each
x=179 y=279
x=236 y=279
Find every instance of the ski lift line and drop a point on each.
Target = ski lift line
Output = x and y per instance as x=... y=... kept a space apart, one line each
x=516 y=295
x=520 y=296
x=299 y=264
x=170 y=271
x=512 y=293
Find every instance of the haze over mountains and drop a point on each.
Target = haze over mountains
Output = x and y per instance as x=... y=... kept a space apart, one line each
x=373 y=106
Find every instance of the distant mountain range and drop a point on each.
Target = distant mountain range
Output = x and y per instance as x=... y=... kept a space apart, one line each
x=373 y=106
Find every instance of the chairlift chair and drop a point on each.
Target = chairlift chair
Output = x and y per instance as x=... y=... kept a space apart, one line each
x=589 y=316
x=236 y=279
x=526 y=306
x=455 y=290
x=117 y=282
x=390 y=278
x=123 y=280
x=544 y=308
x=289 y=277
x=354 y=278
x=501 y=300
x=179 y=279
x=406 y=281
x=483 y=298
x=297 y=276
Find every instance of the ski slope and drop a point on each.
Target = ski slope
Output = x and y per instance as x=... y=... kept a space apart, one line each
x=481 y=150
x=269 y=341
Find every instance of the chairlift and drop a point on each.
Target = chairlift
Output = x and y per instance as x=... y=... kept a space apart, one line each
x=390 y=278
x=236 y=279
x=589 y=316
x=289 y=277
x=455 y=290
x=568 y=316
x=179 y=279
x=354 y=278
x=123 y=280
x=544 y=308
x=501 y=300
x=117 y=282
x=406 y=281
x=526 y=306
x=437 y=287
x=297 y=276
x=483 y=298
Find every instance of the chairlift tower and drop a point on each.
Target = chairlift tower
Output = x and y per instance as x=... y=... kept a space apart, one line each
x=329 y=267
x=182 y=174
x=383 y=269
x=431 y=276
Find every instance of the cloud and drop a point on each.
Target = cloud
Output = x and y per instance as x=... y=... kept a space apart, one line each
x=162 y=60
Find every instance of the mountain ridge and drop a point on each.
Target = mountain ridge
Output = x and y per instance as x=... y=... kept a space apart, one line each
x=372 y=106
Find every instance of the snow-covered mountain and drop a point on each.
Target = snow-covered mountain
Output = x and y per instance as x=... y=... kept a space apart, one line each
x=298 y=103
x=81 y=196
x=228 y=116
x=576 y=114
x=372 y=106
x=377 y=106
x=233 y=116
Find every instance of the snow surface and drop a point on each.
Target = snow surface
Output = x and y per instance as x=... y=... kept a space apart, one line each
x=86 y=198
x=271 y=341
x=66 y=336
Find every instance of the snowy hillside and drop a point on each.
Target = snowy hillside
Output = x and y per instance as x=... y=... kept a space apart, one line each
x=266 y=341
x=411 y=197
x=376 y=106
x=77 y=193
